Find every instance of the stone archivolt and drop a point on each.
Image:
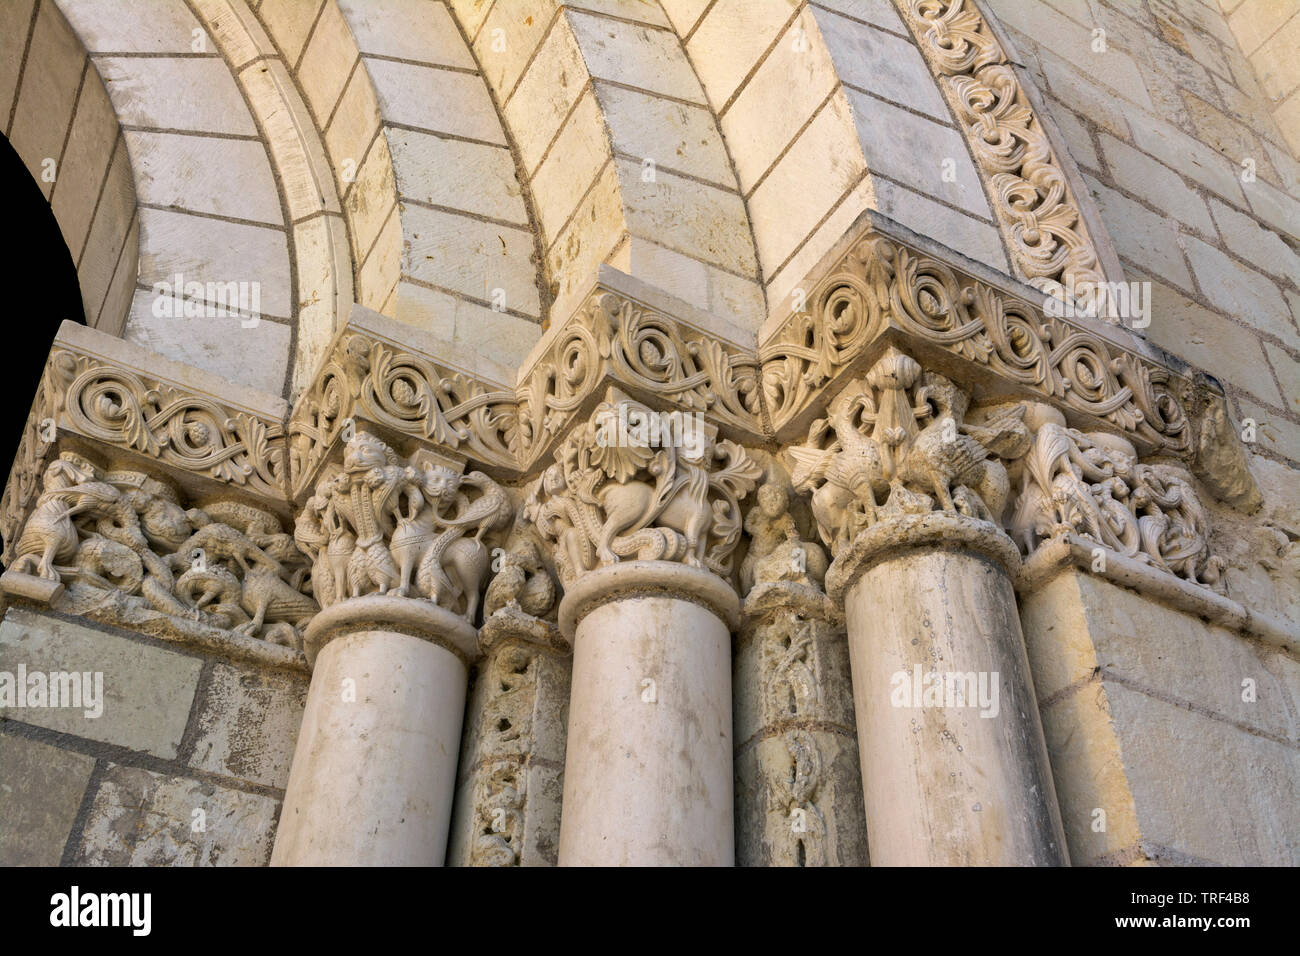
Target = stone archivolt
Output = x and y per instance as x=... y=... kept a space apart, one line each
x=1046 y=235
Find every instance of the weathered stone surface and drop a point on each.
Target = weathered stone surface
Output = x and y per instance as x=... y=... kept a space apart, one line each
x=147 y=689
x=247 y=724
x=141 y=818
x=40 y=793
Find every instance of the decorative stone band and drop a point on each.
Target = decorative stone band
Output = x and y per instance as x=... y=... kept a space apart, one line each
x=1072 y=551
x=141 y=410
x=384 y=374
x=630 y=579
x=910 y=532
x=375 y=612
x=1031 y=197
x=874 y=290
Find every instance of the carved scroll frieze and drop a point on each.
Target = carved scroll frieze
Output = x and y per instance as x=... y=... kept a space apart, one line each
x=881 y=286
x=1046 y=235
x=368 y=378
x=615 y=492
x=615 y=339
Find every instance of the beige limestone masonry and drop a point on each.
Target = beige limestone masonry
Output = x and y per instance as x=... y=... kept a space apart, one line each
x=634 y=389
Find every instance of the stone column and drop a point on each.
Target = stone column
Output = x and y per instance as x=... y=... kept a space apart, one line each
x=397 y=564
x=647 y=775
x=375 y=766
x=647 y=778
x=954 y=766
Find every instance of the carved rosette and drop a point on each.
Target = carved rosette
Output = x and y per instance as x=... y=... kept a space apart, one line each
x=634 y=484
x=882 y=286
x=1039 y=216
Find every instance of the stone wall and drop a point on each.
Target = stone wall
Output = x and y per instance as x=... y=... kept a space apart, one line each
x=185 y=766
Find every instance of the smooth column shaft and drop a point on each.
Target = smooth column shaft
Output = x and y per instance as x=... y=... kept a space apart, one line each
x=648 y=771
x=375 y=766
x=943 y=785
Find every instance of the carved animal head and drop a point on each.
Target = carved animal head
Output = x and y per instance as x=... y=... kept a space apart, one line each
x=440 y=481
x=67 y=470
x=365 y=451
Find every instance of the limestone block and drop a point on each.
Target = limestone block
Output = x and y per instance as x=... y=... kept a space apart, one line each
x=1077 y=136
x=229 y=178
x=1275 y=62
x=147 y=690
x=473 y=177
x=407 y=30
x=972 y=237
x=729 y=41
x=256 y=356
x=1257 y=245
x=48 y=94
x=1273 y=432
x=823 y=164
x=1206 y=788
x=247 y=724
x=368 y=202
x=539 y=103
x=40 y=793
x=1241 y=291
x=507 y=38
x=15 y=21
x=325 y=62
x=289 y=22
x=85 y=160
x=1088 y=767
x=579 y=155
x=595 y=228
x=212 y=251
x=176 y=93
x=1156 y=184
x=674 y=135
x=731 y=301
x=112 y=222
x=142 y=818
x=1082 y=94
x=684 y=14
x=469 y=256
x=703 y=222
x=795 y=272
x=1146 y=237
x=435 y=99
x=353 y=127
x=1288 y=373
x=789 y=86
x=1208 y=340
x=109 y=25
x=647 y=59
x=1187 y=155
x=887 y=65
x=1275 y=207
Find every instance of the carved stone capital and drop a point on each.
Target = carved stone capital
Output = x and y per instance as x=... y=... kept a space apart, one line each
x=132 y=409
x=634 y=483
x=402 y=528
